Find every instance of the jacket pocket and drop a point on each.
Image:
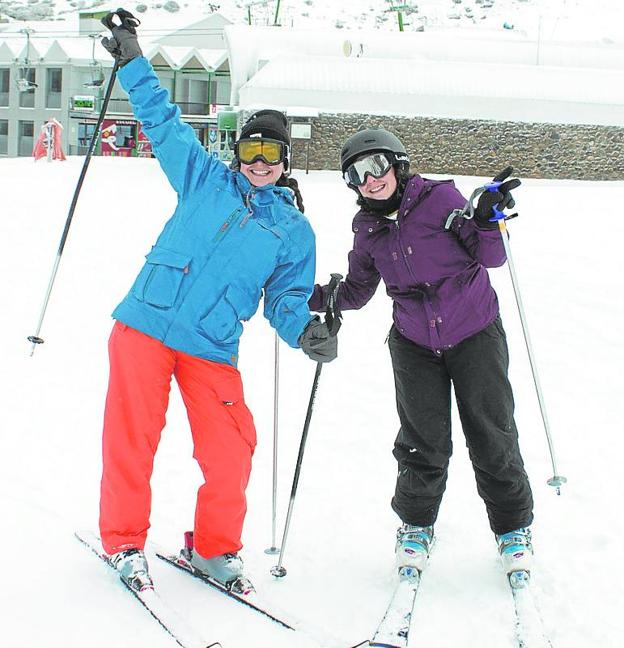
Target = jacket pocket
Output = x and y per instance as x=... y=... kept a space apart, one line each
x=222 y=324
x=158 y=283
x=230 y=393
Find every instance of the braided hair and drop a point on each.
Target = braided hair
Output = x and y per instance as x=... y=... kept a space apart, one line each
x=293 y=185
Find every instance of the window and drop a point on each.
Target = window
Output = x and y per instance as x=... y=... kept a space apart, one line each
x=54 y=85
x=4 y=86
x=4 y=136
x=27 y=96
x=85 y=133
x=25 y=138
x=194 y=97
x=222 y=91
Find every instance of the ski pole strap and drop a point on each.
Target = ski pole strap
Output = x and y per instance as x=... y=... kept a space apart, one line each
x=468 y=210
x=332 y=311
x=126 y=20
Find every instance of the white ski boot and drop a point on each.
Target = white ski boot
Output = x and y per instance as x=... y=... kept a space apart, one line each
x=133 y=570
x=516 y=553
x=413 y=546
x=225 y=570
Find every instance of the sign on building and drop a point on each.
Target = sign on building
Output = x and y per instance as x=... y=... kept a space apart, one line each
x=301 y=131
x=84 y=103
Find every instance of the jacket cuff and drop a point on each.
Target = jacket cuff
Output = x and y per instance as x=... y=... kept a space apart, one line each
x=133 y=71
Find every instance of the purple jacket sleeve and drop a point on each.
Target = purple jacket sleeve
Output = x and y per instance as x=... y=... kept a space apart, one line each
x=484 y=246
x=357 y=288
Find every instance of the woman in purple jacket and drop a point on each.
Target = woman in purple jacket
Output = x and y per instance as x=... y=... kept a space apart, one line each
x=447 y=329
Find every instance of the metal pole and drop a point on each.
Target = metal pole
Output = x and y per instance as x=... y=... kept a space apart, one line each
x=556 y=480
x=332 y=319
x=35 y=339
x=273 y=549
x=277 y=8
x=279 y=570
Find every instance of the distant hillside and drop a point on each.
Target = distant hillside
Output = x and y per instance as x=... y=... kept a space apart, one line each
x=547 y=19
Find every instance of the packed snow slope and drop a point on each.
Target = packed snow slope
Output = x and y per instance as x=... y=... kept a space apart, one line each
x=567 y=249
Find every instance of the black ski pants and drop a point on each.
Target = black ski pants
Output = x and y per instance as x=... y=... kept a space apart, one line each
x=477 y=368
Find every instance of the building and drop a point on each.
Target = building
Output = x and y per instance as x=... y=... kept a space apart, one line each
x=64 y=74
x=463 y=102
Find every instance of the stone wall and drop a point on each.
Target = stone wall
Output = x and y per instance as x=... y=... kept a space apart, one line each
x=478 y=147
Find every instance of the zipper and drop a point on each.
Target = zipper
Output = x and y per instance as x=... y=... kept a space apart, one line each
x=248 y=197
x=426 y=192
x=403 y=254
x=227 y=224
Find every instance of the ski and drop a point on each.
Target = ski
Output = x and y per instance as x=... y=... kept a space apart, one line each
x=167 y=617
x=393 y=630
x=530 y=632
x=249 y=597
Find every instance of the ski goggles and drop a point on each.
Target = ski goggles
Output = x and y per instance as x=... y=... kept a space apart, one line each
x=376 y=164
x=269 y=151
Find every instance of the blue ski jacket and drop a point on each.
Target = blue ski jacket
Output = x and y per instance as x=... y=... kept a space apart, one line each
x=227 y=244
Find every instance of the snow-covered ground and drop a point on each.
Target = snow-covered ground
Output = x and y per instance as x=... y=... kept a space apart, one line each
x=567 y=249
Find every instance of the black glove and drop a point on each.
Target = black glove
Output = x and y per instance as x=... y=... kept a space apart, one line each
x=123 y=45
x=502 y=199
x=317 y=343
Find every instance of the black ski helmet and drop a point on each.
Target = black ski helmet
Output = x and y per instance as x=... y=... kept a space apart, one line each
x=371 y=140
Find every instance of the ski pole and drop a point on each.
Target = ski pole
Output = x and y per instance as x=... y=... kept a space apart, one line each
x=130 y=22
x=332 y=319
x=272 y=550
x=557 y=480
x=36 y=339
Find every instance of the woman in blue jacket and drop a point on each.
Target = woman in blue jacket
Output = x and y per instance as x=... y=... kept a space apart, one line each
x=235 y=236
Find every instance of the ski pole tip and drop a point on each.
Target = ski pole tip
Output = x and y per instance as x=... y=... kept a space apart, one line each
x=556 y=481
x=278 y=571
x=35 y=340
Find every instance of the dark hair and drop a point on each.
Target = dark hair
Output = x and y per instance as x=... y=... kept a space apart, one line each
x=293 y=185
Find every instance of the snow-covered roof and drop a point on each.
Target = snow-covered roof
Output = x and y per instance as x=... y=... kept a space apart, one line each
x=440 y=89
x=10 y=49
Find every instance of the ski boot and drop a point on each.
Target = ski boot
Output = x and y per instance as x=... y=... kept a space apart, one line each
x=133 y=570
x=225 y=570
x=516 y=553
x=412 y=548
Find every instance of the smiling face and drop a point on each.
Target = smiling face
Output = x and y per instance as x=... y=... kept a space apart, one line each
x=379 y=188
x=261 y=174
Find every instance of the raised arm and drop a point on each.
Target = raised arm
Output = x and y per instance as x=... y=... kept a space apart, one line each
x=480 y=235
x=181 y=155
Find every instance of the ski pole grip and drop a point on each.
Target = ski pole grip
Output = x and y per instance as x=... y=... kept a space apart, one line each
x=332 y=312
x=494 y=186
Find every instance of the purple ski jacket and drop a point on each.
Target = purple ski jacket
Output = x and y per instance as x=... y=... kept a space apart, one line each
x=437 y=278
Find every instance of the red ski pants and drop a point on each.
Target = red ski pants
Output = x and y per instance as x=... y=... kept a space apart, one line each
x=224 y=439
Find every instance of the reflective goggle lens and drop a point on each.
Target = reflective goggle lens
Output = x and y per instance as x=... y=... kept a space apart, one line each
x=376 y=165
x=269 y=151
